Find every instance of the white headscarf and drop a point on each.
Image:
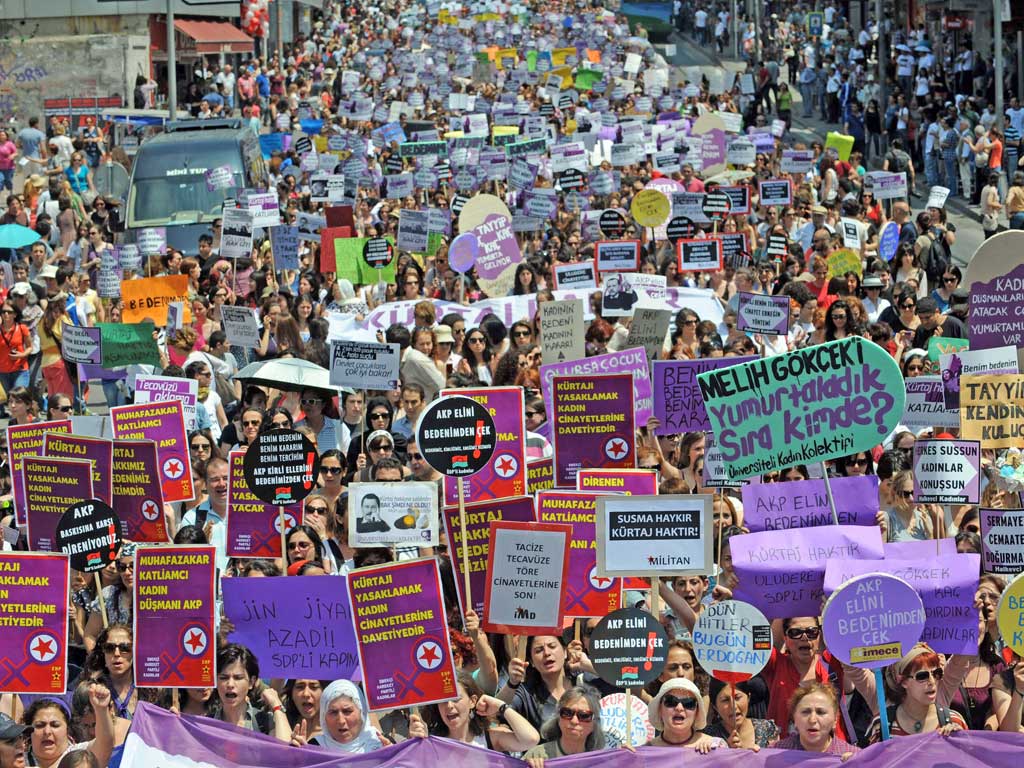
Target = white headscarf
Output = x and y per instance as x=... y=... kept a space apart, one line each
x=367 y=740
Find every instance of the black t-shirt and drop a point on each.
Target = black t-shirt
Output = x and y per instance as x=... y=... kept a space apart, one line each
x=951 y=329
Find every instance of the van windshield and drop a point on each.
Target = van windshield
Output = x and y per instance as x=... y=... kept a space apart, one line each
x=169 y=185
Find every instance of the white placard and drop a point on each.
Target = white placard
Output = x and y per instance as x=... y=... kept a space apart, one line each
x=240 y=326
x=385 y=514
x=364 y=366
x=654 y=535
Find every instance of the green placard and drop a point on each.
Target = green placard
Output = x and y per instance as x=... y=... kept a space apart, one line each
x=128 y=344
x=349 y=264
x=940 y=345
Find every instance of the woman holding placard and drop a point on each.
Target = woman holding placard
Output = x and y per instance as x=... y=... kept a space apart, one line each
x=916 y=682
x=731 y=705
x=814 y=711
x=574 y=730
x=679 y=714
x=536 y=685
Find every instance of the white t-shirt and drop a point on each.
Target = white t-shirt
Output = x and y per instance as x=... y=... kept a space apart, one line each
x=701 y=18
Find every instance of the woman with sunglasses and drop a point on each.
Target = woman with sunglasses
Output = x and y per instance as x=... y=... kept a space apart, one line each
x=916 y=683
x=410 y=284
x=855 y=465
x=814 y=712
x=251 y=421
x=303 y=543
x=951 y=278
x=117 y=598
x=333 y=466
x=315 y=405
x=476 y=356
x=520 y=335
x=202 y=446
x=318 y=512
x=906 y=520
x=79 y=175
x=110 y=663
x=988 y=693
x=573 y=729
x=16 y=344
x=914 y=363
x=679 y=714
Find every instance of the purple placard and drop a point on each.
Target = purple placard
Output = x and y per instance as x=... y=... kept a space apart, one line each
x=804 y=503
x=138 y=499
x=100 y=452
x=763 y=314
x=632 y=361
x=678 y=403
x=504 y=475
x=631 y=482
x=782 y=572
x=254 y=527
x=1002 y=546
x=993 y=323
x=402 y=631
x=174 y=633
x=51 y=486
x=24 y=440
x=268 y=621
x=499 y=252
x=946 y=584
x=593 y=424
x=873 y=620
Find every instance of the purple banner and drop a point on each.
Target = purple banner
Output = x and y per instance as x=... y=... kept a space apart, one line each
x=254 y=527
x=478 y=527
x=309 y=638
x=402 y=631
x=586 y=593
x=51 y=486
x=163 y=738
x=593 y=424
x=138 y=500
x=164 y=423
x=100 y=452
x=631 y=482
x=946 y=584
x=174 y=634
x=804 y=503
x=993 y=321
x=505 y=474
x=1002 y=543
x=677 y=400
x=633 y=361
x=782 y=572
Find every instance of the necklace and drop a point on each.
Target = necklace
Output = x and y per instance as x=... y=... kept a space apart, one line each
x=675 y=743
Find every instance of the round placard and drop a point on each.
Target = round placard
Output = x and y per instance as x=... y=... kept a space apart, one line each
x=716 y=206
x=463 y=251
x=873 y=620
x=628 y=648
x=1010 y=615
x=89 y=532
x=650 y=208
x=378 y=252
x=281 y=467
x=456 y=436
x=612 y=223
x=732 y=640
x=680 y=228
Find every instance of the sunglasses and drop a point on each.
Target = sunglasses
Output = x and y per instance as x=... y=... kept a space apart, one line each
x=7 y=311
x=670 y=701
x=924 y=674
x=200 y=446
x=915 y=368
x=949 y=279
x=283 y=424
x=907 y=494
x=330 y=470
x=63 y=408
x=476 y=340
x=857 y=462
x=387 y=447
x=317 y=510
x=907 y=306
x=311 y=401
x=122 y=567
x=795 y=633
x=252 y=422
x=568 y=714
x=124 y=648
x=415 y=457
x=522 y=334
x=378 y=415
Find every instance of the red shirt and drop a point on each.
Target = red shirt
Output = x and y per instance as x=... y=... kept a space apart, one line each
x=783 y=678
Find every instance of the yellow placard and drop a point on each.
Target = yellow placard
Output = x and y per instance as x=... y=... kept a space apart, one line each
x=504 y=130
x=504 y=53
x=842 y=261
x=1010 y=614
x=650 y=208
x=559 y=55
x=841 y=143
x=992 y=409
x=148 y=297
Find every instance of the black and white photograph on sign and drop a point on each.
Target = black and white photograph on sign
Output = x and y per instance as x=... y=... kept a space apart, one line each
x=456 y=436
x=561 y=330
x=775 y=192
x=309 y=226
x=413 y=230
x=318 y=187
x=654 y=535
x=363 y=365
x=575 y=275
x=625 y=291
x=617 y=255
x=240 y=326
x=236 y=235
x=386 y=514
x=699 y=255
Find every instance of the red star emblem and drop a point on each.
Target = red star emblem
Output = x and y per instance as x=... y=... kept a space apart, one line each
x=505 y=465
x=43 y=648
x=601 y=580
x=617 y=449
x=173 y=467
x=429 y=655
x=195 y=641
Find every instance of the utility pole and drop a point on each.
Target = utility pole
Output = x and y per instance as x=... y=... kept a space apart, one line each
x=881 y=54
x=997 y=44
x=172 y=64
x=757 y=30
x=280 y=32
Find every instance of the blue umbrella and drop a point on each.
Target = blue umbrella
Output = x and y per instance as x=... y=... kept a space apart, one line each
x=16 y=236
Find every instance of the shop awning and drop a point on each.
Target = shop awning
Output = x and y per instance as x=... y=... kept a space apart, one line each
x=214 y=36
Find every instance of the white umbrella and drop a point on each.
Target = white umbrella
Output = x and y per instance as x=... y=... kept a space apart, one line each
x=289 y=373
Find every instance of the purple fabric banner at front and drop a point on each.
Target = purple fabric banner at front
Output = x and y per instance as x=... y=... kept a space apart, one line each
x=632 y=361
x=159 y=737
x=804 y=503
x=678 y=403
x=782 y=572
x=946 y=584
x=307 y=635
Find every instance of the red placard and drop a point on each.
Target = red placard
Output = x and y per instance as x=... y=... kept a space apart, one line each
x=328 y=262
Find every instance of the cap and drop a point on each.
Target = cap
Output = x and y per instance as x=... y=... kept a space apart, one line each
x=927 y=306
x=443 y=334
x=872 y=282
x=49 y=271
x=961 y=294
x=9 y=729
x=675 y=684
x=21 y=289
x=819 y=209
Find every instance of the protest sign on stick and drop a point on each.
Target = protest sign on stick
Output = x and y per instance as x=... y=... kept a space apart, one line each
x=51 y=486
x=164 y=423
x=654 y=535
x=96 y=450
x=947 y=472
x=27 y=440
x=386 y=514
x=253 y=526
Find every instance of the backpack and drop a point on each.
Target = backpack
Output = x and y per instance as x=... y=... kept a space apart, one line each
x=935 y=261
x=896 y=164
